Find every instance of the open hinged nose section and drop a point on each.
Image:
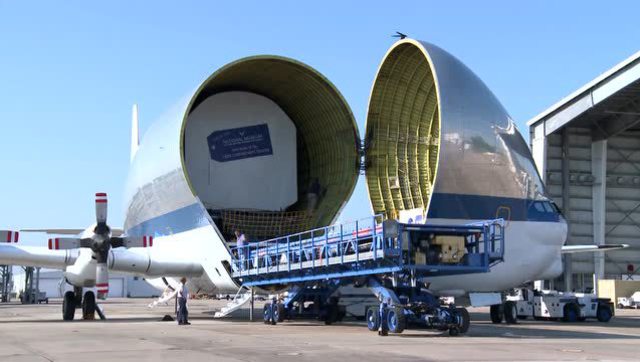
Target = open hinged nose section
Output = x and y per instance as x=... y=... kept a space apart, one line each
x=402 y=136
x=275 y=120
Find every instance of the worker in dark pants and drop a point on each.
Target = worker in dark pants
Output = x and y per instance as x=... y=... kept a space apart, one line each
x=383 y=329
x=183 y=296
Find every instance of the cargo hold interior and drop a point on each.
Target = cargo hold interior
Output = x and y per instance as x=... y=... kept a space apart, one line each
x=301 y=161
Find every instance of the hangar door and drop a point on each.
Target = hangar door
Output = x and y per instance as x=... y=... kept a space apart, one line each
x=116 y=287
x=50 y=286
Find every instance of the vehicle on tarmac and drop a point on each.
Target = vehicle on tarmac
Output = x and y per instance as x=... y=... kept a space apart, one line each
x=390 y=259
x=551 y=305
x=631 y=302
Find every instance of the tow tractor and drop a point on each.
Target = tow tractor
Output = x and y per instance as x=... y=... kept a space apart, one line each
x=632 y=302
x=394 y=260
x=552 y=305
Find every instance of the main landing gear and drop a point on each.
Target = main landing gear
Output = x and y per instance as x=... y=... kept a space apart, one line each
x=75 y=299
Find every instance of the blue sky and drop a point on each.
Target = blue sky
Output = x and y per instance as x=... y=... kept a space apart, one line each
x=70 y=71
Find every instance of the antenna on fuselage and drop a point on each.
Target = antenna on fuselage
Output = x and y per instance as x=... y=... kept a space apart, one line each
x=135 y=139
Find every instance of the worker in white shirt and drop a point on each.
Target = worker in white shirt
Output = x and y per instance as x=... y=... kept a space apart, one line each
x=183 y=296
x=242 y=252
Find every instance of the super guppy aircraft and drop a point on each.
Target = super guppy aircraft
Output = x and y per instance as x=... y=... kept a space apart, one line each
x=269 y=146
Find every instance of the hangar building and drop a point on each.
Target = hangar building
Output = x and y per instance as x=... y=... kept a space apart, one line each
x=587 y=150
x=120 y=285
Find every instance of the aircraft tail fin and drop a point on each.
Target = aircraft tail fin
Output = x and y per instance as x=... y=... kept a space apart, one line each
x=135 y=137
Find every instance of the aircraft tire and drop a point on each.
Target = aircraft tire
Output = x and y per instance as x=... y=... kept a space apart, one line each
x=497 y=313
x=466 y=319
x=68 y=306
x=332 y=314
x=89 y=306
x=510 y=312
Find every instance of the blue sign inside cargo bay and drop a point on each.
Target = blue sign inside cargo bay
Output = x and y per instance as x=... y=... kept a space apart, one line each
x=239 y=143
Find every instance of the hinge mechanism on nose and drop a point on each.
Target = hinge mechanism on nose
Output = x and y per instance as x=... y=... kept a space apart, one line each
x=362 y=159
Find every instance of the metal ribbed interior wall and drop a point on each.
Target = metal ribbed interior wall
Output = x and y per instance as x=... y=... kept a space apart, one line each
x=327 y=135
x=402 y=133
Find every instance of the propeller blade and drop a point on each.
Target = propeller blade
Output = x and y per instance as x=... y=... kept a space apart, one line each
x=8 y=236
x=64 y=243
x=101 y=208
x=145 y=241
x=102 y=280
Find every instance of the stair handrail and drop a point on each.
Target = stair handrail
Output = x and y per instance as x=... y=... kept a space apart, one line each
x=237 y=293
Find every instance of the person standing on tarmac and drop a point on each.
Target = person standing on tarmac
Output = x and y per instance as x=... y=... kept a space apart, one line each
x=183 y=296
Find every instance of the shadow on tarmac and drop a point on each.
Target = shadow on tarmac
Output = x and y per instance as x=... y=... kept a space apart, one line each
x=481 y=327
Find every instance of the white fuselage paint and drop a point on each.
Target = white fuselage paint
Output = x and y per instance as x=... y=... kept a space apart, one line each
x=531 y=249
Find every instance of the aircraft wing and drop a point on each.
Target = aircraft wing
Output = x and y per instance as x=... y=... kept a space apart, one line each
x=128 y=255
x=36 y=256
x=569 y=249
x=120 y=259
x=114 y=232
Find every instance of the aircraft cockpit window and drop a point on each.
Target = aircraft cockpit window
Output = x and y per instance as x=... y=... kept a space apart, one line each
x=538 y=206
x=555 y=207
x=543 y=211
x=548 y=208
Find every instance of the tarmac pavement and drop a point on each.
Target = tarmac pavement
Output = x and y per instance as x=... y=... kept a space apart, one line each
x=135 y=332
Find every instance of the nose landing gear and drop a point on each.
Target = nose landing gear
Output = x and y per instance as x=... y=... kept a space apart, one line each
x=75 y=299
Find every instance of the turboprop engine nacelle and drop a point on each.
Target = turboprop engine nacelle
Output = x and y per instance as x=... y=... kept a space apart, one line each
x=141 y=263
x=82 y=273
